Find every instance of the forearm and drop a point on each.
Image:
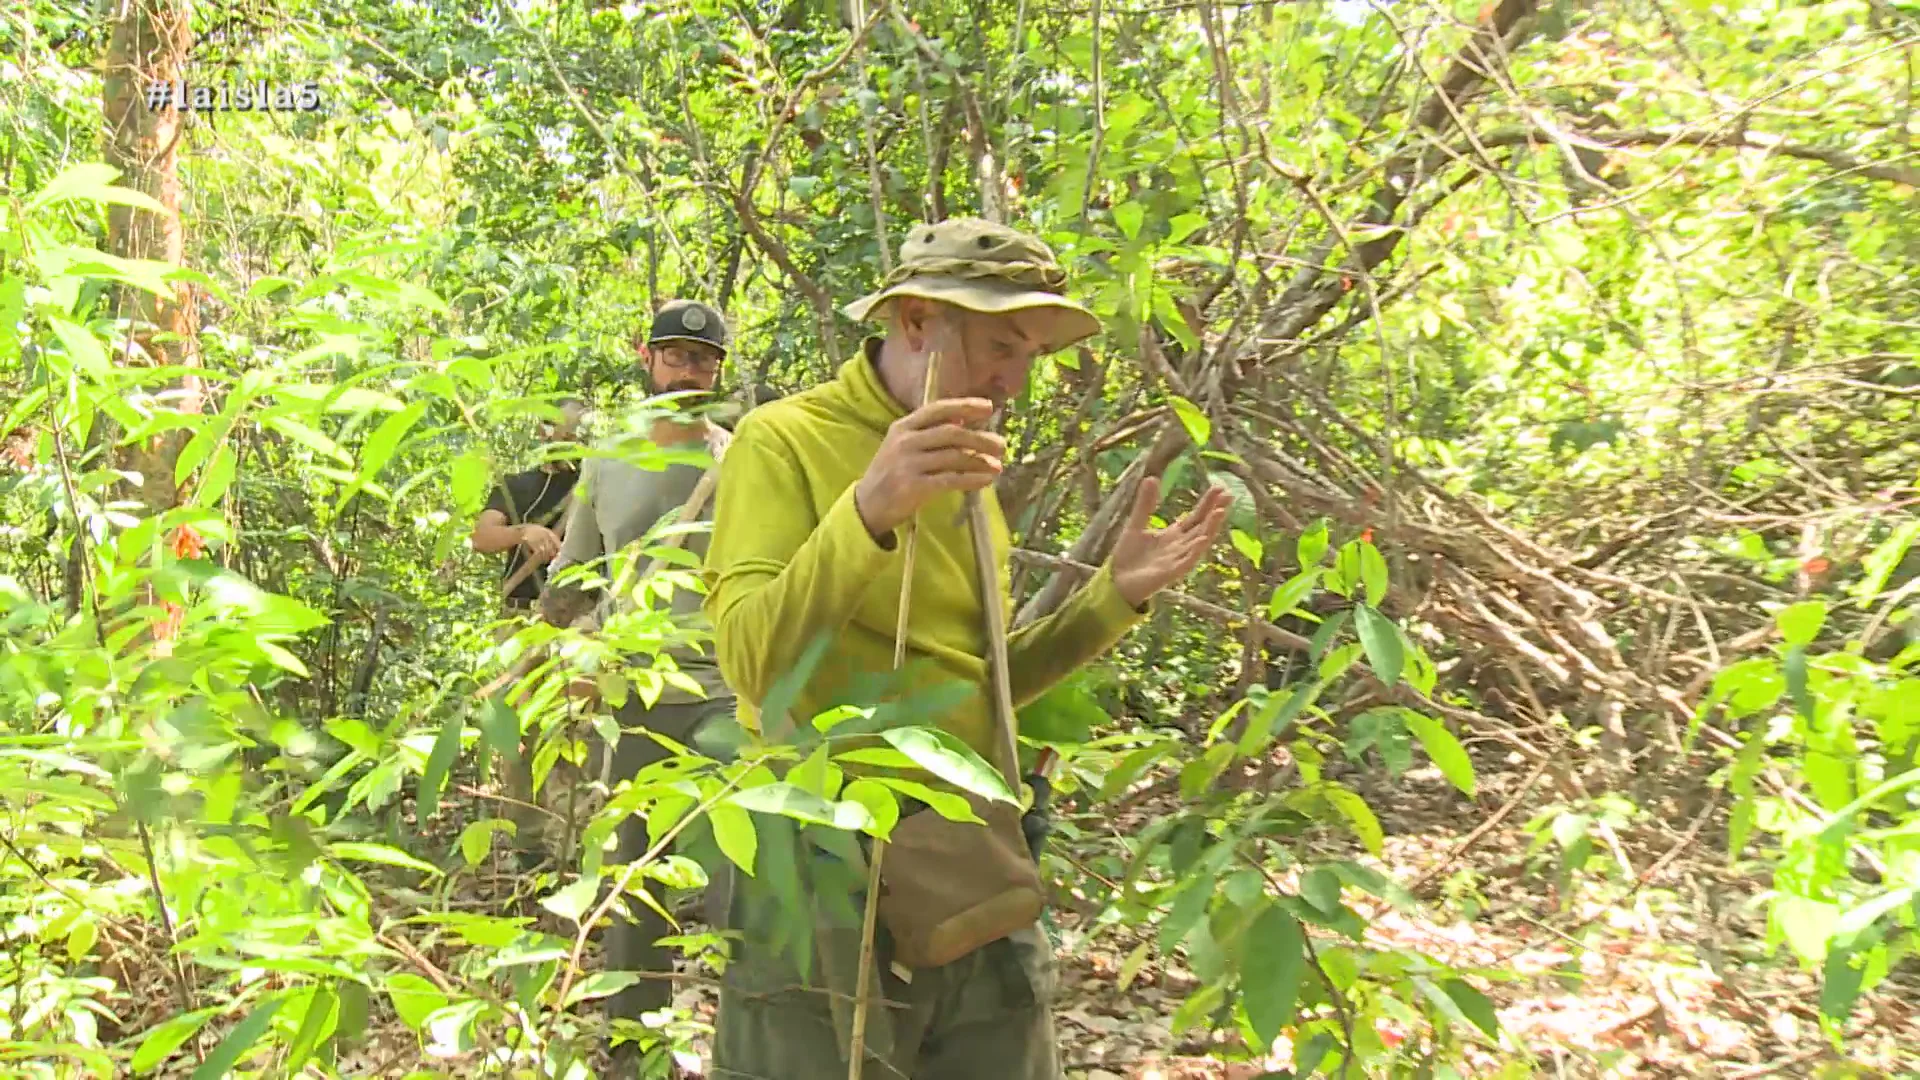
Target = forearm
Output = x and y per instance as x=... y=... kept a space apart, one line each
x=493 y=539
x=1092 y=621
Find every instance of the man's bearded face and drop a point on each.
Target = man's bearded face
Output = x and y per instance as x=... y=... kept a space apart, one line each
x=679 y=366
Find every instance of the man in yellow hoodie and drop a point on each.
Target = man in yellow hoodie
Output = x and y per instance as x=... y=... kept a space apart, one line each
x=807 y=545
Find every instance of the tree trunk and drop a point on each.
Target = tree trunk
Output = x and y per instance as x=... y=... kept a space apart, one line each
x=148 y=45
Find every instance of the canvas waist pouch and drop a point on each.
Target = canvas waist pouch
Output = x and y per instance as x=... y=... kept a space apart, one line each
x=948 y=888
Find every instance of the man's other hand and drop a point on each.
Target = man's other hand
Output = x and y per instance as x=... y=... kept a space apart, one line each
x=927 y=452
x=1147 y=560
x=539 y=542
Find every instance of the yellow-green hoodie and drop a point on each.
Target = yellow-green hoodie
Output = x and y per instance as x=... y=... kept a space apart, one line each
x=790 y=560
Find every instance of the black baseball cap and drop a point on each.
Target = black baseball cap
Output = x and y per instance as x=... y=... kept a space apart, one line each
x=689 y=320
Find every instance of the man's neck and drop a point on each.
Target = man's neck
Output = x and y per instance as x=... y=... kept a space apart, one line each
x=902 y=372
x=670 y=432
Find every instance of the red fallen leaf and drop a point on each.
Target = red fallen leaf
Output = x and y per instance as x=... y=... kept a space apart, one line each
x=1346 y=283
x=1366 y=535
x=1388 y=1036
x=1819 y=564
x=187 y=543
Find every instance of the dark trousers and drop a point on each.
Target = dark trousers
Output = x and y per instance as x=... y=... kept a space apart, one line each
x=631 y=945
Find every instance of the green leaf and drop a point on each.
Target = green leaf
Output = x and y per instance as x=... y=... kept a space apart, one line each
x=1381 y=639
x=1807 y=925
x=1358 y=814
x=945 y=803
x=1129 y=215
x=414 y=998
x=1270 y=973
x=1346 y=569
x=1323 y=638
x=1200 y=773
x=471 y=477
x=1795 y=668
x=1130 y=967
x=1569 y=829
x=82 y=347
x=789 y=800
x=500 y=729
x=945 y=756
x=1448 y=755
x=91 y=181
x=1800 y=624
x=1842 y=821
x=1372 y=881
x=1474 y=1005
x=385 y=440
x=733 y=831
x=379 y=853
x=1840 y=982
x=1288 y=596
x=477 y=838
x=572 y=902
x=1274 y=716
x=1313 y=545
x=1880 y=563
x=600 y=984
x=1860 y=920
x=1248 y=547
x=308 y=437
x=238 y=1041
x=1321 y=888
x=446 y=747
x=1188 y=909
x=165 y=1038
x=1066 y=714
x=882 y=807
x=217 y=477
x=323 y=1010
x=1199 y=428
x=1183 y=226
x=1373 y=571
x=1420 y=672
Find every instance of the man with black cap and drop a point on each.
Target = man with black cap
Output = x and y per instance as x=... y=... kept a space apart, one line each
x=617 y=504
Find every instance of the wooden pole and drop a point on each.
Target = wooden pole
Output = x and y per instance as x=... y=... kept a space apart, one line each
x=863 y=978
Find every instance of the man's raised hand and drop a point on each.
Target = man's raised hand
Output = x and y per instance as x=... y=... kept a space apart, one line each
x=929 y=451
x=1147 y=560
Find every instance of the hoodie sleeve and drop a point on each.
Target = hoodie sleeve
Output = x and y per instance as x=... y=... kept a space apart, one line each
x=1093 y=620
x=779 y=575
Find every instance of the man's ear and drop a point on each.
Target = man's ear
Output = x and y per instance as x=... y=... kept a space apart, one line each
x=917 y=321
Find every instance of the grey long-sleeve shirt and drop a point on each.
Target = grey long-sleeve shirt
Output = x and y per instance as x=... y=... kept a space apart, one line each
x=616 y=504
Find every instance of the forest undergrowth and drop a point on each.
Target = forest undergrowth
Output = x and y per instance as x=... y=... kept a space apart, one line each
x=1550 y=709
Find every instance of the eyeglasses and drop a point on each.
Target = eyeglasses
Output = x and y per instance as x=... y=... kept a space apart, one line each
x=688 y=360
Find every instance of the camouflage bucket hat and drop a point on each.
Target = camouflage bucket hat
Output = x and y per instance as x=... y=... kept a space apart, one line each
x=980 y=266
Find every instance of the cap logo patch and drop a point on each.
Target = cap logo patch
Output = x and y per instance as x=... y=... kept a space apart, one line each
x=694 y=319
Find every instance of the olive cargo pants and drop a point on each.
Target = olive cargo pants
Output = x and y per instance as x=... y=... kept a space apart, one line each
x=986 y=1015
x=632 y=945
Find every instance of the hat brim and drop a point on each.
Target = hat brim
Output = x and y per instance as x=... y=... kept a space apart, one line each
x=1070 y=322
x=685 y=337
